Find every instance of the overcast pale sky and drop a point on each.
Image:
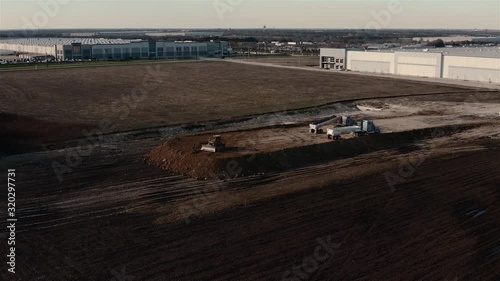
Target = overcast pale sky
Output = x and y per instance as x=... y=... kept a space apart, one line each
x=18 y=14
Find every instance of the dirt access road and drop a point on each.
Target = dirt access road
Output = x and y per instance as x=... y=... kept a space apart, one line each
x=297 y=61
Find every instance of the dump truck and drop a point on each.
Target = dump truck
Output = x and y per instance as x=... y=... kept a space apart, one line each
x=215 y=144
x=335 y=133
x=366 y=127
x=317 y=126
x=347 y=121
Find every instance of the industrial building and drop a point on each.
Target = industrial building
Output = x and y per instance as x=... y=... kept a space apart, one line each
x=333 y=58
x=114 y=49
x=469 y=64
x=141 y=33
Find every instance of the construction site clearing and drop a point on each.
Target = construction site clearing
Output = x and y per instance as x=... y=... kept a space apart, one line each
x=436 y=218
x=290 y=145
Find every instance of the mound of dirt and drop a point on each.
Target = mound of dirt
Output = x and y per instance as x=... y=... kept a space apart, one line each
x=183 y=155
x=176 y=157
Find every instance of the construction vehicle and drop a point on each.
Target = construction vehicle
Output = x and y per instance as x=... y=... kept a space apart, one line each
x=340 y=121
x=335 y=133
x=368 y=127
x=215 y=144
x=346 y=121
x=317 y=126
x=365 y=127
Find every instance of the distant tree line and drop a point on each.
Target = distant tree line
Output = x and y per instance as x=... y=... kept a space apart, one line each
x=439 y=43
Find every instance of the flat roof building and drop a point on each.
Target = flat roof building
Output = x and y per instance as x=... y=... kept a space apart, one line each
x=114 y=49
x=472 y=64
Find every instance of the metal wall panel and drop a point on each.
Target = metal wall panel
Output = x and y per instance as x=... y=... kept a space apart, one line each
x=472 y=68
x=370 y=66
x=375 y=62
x=418 y=64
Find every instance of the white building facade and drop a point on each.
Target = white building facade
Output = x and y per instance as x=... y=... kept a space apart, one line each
x=333 y=58
x=472 y=69
x=472 y=64
x=114 y=49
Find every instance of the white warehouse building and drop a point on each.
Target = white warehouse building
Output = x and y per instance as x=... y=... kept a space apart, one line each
x=113 y=49
x=470 y=64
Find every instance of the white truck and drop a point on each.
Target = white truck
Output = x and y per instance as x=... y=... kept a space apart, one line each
x=335 y=133
x=365 y=127
x=317 y=127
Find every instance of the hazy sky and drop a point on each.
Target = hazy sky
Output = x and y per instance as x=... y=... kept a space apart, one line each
x=482 y=14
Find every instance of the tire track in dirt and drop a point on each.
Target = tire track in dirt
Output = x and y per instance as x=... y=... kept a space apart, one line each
x=422 y=234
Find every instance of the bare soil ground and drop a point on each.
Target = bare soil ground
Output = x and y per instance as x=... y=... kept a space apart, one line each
x=299 y=61
x=280 y=147
x=117 y=215
x=138 y=97
x=262 y=151
x=112 y=216
x=21 y=134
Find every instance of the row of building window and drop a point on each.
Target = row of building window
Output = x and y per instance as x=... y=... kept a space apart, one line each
x=332 y=60
x=118 y=55
x=145 y=50
x=126 y=53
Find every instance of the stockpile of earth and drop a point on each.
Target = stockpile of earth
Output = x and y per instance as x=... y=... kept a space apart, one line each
x=183 y=155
